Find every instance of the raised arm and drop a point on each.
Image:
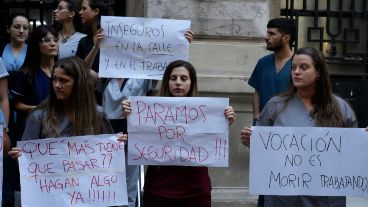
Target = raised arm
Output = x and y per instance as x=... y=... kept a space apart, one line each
x=255 y=106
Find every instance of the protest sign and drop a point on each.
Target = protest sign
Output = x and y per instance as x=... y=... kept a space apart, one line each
x=309 y=161
x=73 y=171
x=141 y=47
x=185 y=131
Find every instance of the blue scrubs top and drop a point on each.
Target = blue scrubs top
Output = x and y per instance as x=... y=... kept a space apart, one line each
x=266 y=81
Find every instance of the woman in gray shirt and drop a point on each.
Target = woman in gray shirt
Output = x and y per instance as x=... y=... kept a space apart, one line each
x=309 y=102
x=70 y=109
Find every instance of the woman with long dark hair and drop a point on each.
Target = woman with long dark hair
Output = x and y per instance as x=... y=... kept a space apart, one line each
x=167 y=186
x=34 y=78
x=309 y=102
x=70 y=109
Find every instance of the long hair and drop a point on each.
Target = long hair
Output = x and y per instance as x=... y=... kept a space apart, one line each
x=33 y=56
x=326 y=110
x=84 y=110
x=193 y=91
x=102 y=5
x=74 y=6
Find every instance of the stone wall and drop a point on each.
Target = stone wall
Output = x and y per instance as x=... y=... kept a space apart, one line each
x=231 y=18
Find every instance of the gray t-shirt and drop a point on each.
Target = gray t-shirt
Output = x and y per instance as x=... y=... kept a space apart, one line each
x=33 y=129
x=295 y=114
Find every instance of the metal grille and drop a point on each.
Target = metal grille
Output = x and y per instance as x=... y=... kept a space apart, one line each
x=338 y=27
x=40 y=11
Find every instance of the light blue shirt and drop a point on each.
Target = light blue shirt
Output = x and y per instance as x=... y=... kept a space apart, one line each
x=3 y=72
x=2 y=120
x=113 y=96
x=13 y=63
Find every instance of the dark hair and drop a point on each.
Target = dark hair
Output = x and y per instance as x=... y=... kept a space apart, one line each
x=33 y=55
x=284 y=25
x=82 y=100
x=74 y=6
x=10 y=20
x=193 y=91
x=326 y=110
x=102 y=5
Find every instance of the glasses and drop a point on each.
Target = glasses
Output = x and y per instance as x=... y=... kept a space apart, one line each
x=47 y=40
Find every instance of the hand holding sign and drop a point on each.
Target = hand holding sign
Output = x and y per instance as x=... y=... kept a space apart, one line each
x=309 y=161
x=245 y=134
x=142 y=47
x=184 y=131
x=73 y=171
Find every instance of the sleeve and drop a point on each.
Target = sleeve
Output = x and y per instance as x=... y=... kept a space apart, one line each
x=265 y=118
x=254 y=78
x=348 y=115
x=270 y=112
x=2 y=120
x=81 y=48
x=33 y=126
x=20 y=84
x=3 y=72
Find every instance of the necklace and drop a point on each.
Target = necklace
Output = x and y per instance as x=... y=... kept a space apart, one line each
x=65 y=38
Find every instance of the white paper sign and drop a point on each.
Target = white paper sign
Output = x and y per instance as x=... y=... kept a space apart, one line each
x=73 y=171
x=309 y=161
x=184 y=131
x=141 y=47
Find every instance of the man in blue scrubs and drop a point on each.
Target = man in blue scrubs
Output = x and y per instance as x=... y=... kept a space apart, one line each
x=271 y=75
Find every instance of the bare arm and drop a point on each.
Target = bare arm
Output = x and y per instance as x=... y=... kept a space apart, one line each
x=96 y=47
x=4 y=101
x=20 y=106
x=6 y=143
x=255 y=105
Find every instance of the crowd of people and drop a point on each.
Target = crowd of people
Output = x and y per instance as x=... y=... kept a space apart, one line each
x=49 y=87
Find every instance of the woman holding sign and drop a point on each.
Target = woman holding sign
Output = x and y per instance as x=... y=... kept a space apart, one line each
x=178 y=185
x=309 y=102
